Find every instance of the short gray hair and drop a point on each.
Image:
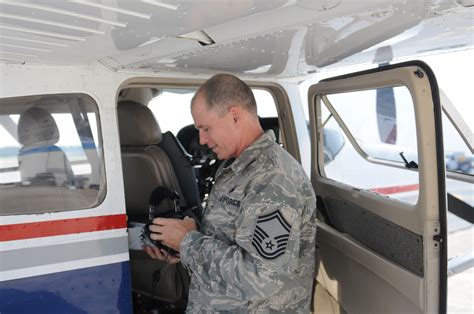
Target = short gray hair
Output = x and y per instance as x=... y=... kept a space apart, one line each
x=223 y=90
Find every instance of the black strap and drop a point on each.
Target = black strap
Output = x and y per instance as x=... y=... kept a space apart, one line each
x=460 y=208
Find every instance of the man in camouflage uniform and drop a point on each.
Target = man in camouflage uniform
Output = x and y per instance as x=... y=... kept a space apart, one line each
x=254 y=251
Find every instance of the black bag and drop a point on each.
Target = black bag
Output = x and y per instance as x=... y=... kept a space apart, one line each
x=169 y=282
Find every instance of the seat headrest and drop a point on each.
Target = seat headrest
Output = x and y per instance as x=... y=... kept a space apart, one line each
x=137 y=124
x=271 y=123
x=36 y=127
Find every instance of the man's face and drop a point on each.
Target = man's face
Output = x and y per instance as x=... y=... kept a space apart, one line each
x=218 y=132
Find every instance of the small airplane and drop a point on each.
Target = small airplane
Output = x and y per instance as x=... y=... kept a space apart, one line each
x=371 y=97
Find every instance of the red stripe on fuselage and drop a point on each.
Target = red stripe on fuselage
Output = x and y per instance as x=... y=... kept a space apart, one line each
x=61 y=227
x=397 y=189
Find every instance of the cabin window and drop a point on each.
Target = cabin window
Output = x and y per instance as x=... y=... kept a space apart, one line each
x=50 y=154
x=171 y=108
x=369 y=140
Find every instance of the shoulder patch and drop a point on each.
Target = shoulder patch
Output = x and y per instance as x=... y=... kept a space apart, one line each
x=271 y=235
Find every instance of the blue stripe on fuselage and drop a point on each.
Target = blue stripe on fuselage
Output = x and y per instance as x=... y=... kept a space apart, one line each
x=100 y=289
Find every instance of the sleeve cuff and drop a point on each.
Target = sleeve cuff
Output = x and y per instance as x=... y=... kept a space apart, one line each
x=186 y=247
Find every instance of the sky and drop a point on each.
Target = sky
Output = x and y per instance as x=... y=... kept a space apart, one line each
x=455 y=76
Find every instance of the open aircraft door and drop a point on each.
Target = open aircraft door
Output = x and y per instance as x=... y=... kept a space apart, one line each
x=381 y=239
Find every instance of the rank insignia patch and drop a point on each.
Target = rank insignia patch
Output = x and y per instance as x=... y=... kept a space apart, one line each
x=271 y=235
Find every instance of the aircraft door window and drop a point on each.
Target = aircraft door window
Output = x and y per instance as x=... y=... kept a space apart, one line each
x=51 y=154
x=368 y=132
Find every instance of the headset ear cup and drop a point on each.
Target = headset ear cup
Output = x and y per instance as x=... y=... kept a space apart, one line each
x=157 y=196
x=160 y=193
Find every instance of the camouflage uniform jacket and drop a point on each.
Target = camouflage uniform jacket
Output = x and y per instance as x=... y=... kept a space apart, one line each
x=254 y=252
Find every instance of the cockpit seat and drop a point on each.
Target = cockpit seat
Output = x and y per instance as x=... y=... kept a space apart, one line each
x=183 y=166
x=145 y=167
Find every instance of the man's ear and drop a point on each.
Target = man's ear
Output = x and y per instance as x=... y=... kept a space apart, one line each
x=236 y=113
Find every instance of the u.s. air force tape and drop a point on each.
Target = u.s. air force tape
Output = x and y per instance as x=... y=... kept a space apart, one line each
x=271 y=235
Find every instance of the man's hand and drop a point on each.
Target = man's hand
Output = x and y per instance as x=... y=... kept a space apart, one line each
x=171 y=231
x=160 y=254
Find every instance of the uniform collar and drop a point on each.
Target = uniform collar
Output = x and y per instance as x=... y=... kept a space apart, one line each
x=252 y=152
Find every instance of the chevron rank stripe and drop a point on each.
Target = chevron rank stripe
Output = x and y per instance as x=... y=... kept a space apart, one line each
x=271 y=235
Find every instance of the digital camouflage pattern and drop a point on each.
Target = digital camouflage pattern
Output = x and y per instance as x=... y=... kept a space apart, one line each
x=255 y=249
